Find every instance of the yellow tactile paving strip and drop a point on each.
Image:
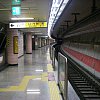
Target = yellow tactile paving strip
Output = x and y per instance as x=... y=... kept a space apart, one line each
x=49 y=68
x=53 y=88
x=44 y=77
x=54 y=91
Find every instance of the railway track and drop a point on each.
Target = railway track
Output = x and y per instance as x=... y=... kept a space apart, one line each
x=85 y=87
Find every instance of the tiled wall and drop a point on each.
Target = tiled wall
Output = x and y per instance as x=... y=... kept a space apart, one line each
x=11 y=57
x=20 y=44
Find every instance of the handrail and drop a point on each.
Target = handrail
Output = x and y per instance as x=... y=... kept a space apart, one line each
x=2 y=41
x=62 y=55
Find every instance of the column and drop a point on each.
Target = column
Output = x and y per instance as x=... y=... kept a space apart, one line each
x=20 y=44
x=12 y=46
x=40 y=42
x=28 y=43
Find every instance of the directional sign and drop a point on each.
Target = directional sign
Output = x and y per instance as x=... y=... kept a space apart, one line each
x=16 y=2
x=28 y=25
x=16 y=10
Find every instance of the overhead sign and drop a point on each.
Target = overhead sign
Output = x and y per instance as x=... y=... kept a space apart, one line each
x=16 y=10
x=28 y=25
x=16 y=2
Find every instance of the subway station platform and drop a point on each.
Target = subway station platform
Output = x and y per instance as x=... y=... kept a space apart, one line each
x=29 y=80
x=32 y=79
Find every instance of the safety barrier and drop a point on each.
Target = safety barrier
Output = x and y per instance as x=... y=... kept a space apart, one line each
x=62 y=75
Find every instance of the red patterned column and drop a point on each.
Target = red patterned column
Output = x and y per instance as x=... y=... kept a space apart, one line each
x=12 y=46
x=28 y=43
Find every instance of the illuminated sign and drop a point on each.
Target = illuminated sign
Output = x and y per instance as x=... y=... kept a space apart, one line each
x=16 y=10
x=16 y=2
x=28 y=25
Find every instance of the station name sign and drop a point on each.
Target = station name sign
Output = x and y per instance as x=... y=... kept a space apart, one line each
x=28 y=25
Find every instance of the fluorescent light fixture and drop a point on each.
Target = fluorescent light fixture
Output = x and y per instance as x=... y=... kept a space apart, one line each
x=39 y=70
x=38 y=33
x=35 y=31
x=33 y=92
x=22 y=18
x=56 y=10
x=32 y=36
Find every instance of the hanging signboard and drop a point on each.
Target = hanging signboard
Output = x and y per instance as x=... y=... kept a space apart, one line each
x=16 y=2
x=28 y=25
x=16 y=10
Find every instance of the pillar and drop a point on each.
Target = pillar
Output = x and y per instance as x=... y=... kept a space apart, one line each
x=20 y=44
x=12 y=46
x=28 y=43
x=40 y=42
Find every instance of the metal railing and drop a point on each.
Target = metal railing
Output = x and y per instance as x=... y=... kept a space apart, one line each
x=2 y=44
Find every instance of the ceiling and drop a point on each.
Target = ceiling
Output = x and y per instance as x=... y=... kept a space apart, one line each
x=84 y=7
x=38 y=9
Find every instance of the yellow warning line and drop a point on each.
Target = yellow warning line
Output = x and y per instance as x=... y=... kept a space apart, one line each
x=49 y=68
x=53 y=88
x=44 y=76
x=54 y=91
x=22 y=86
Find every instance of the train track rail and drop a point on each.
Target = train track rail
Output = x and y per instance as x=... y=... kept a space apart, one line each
x=85 y=87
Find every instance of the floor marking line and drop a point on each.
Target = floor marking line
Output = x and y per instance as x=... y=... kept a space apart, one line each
x=53 y=88
x=54 y=91
x=22 y=86
x=49 y=68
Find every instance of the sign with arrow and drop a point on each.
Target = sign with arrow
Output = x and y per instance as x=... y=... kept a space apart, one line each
x=28 y=25
x=16 y=10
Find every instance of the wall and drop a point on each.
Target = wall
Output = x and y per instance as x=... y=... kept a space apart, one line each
x=87 y=55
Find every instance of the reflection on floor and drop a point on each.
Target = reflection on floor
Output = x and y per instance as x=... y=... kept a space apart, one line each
x=29 y=80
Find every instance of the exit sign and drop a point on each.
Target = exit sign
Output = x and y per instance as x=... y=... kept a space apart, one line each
x=16 y=2
x=16 y=10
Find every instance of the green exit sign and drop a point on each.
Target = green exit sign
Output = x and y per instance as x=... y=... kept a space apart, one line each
x=16 y=2
x=16 y=10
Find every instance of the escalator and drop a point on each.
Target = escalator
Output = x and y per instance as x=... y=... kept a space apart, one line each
x=3 y=63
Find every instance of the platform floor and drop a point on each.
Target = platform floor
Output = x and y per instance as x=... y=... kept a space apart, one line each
x=32 y=79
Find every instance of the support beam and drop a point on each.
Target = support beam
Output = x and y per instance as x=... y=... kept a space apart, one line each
x=75 y=15
x=94 y=8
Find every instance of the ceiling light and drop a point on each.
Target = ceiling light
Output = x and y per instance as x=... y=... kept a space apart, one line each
x=56 y=10
x=22 y=18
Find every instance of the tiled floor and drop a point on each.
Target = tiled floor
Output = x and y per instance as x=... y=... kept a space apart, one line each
x=28 y=80
x=30 y=64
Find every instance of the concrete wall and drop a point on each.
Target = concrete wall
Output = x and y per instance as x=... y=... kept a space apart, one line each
x=87 y=55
